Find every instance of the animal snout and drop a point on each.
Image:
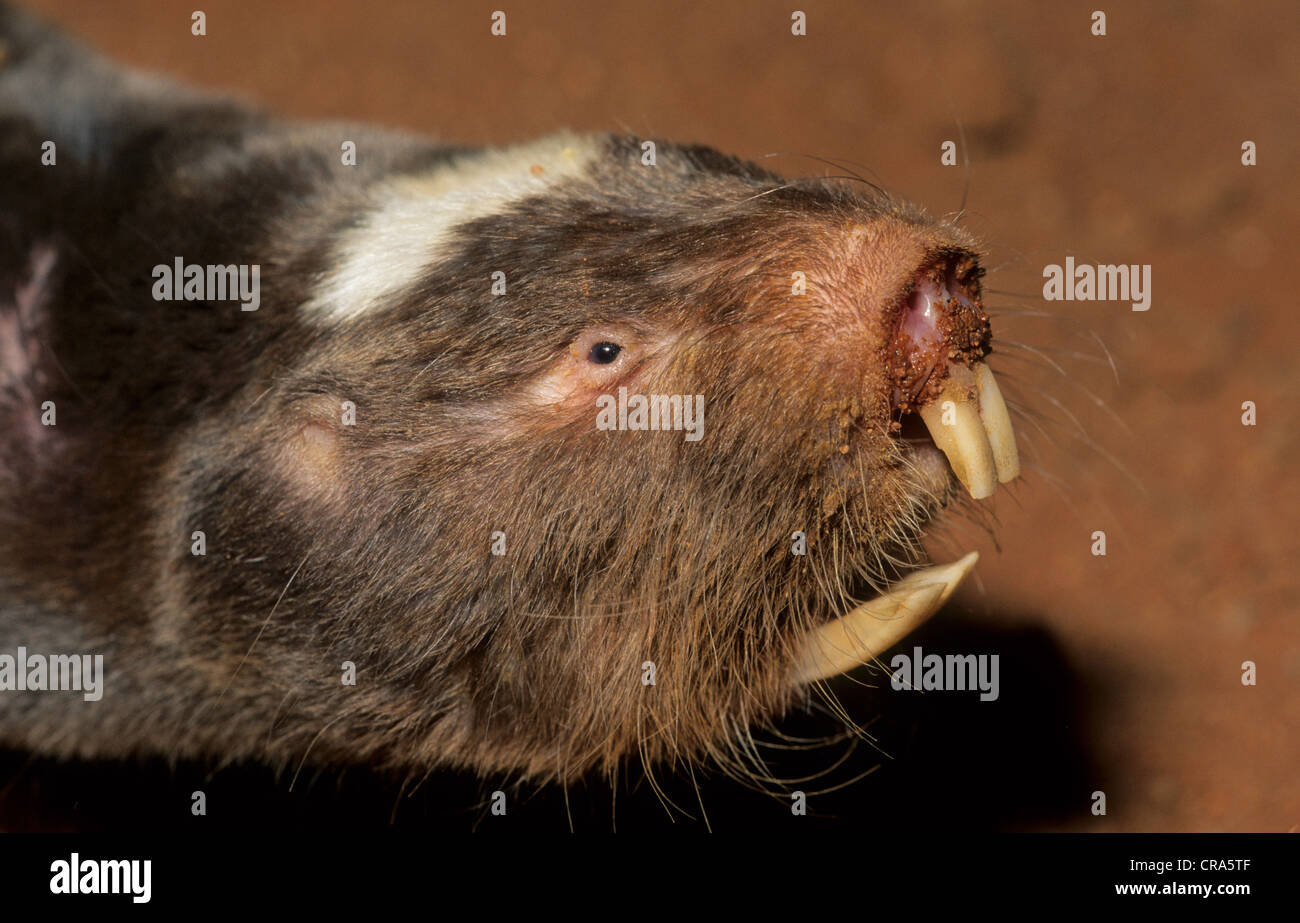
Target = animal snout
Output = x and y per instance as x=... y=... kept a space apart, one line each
x=941 y=320
x=937 y=371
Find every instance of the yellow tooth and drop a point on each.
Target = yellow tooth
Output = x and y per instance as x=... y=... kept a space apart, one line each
x=876 y=626
x=997 y=424
x=953 y=419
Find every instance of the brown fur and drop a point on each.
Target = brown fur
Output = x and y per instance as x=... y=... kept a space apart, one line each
x=370 y=543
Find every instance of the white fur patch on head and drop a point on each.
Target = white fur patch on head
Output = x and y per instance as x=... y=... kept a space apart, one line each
x=23 y=325
x=415 y=216
x=22 y=320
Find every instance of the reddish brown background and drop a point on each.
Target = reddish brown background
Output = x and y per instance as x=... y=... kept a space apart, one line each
x=1122 y=149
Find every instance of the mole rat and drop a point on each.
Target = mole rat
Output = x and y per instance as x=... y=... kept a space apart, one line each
x=327 y=443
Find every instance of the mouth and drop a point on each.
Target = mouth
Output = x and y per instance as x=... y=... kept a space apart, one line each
x=939 y=375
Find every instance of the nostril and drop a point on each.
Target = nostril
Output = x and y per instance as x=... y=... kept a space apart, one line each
x=920 y=321
x=962 y=281
x=941 y=320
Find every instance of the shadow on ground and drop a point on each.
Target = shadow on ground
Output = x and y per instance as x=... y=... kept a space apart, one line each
x=940 y=761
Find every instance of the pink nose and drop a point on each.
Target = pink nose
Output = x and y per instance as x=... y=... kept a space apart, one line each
x=941 y=320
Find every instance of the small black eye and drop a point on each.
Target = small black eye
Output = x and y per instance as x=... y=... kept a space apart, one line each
x=604 y=353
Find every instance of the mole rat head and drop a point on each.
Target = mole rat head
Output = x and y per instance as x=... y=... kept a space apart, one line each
x=631 y=440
